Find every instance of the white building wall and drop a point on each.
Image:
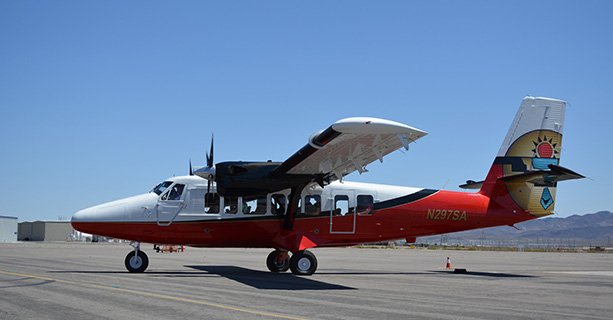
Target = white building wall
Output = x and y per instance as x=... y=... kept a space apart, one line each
x=8 y=229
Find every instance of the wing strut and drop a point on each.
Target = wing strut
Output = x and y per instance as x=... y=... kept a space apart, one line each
x=294 y=197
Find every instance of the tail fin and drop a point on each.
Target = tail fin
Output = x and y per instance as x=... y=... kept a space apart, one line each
x=527 y=166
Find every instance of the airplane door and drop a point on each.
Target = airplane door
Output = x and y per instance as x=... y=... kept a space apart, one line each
x=170 y=204
x=342 y=215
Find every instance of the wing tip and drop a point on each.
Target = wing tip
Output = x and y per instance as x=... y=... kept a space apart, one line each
x=355 y=124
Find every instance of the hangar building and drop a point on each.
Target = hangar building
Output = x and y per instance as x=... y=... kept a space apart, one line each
x=8 y=229
x=45 y=231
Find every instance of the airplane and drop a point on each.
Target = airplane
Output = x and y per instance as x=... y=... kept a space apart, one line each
x=304 y=202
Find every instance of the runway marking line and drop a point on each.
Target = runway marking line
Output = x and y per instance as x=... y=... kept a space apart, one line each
x=158 y=296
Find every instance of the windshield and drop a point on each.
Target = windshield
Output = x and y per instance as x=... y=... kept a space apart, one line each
x=161 y=187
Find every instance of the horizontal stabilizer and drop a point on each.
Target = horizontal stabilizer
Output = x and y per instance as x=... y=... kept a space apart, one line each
x=471 y=184
x=545 y=178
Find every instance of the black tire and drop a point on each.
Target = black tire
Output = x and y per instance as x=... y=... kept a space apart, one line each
x=303 y=263
x=273 y=265
x=137 y=263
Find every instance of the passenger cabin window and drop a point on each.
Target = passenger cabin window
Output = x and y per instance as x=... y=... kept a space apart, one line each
x=254 y=205
x=175 y=192
x=211 y=203
x=341 y=205
x=161 y=187
x=277 y=204
x=230 y=205
x=365 y=205
x=312 y=205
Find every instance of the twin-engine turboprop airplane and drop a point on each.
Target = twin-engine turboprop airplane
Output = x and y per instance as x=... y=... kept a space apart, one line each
x=303 y=202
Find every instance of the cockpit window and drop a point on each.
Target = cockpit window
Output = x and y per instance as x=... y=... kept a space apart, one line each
x=176 y=191
x=161 y=187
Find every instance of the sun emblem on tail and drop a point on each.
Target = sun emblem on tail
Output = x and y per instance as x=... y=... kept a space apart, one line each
x=545 y=148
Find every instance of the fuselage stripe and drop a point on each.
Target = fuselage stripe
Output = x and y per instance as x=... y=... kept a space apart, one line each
x=404 y=199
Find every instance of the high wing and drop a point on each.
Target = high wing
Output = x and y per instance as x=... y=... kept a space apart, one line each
x=349 y=145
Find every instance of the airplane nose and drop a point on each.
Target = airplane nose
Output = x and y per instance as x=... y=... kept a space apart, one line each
x=80 y=218
x=127 y=209
x=81 y=215
x=100 y=213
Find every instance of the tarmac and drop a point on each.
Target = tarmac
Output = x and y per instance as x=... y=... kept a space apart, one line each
x=89 y=281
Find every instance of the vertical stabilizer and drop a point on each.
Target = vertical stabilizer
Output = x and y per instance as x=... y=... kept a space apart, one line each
x=532 y=145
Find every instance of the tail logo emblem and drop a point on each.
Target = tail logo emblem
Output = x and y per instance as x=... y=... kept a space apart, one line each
x=545 y=148
x=546 y=199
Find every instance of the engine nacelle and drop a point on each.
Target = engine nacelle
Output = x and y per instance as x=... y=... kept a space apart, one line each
x=254 y=178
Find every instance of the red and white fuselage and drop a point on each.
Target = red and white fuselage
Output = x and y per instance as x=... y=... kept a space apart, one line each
x=187 y=210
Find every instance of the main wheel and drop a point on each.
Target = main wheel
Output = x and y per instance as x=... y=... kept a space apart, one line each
x=137 y=262
x=303 y=263
x=273 y=263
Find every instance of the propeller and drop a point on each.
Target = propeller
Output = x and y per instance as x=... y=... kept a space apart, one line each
x=209 y=157
x=209 y=163
x=191 y=170
x=208 y=172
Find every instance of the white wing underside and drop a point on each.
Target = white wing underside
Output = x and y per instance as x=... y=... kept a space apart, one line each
x=360 y=141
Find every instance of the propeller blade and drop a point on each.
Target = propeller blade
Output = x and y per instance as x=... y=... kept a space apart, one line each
x=191 y=170
x=208 y=187
x=209 y=156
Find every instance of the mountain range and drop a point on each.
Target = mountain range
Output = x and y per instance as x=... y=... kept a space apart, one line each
x=595 y=227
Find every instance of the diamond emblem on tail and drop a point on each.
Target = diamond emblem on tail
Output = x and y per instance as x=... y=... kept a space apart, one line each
x=546 y=199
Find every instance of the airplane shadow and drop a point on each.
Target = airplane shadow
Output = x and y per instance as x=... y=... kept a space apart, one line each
x=254 y=278
x=487 y=274
x=269 y=281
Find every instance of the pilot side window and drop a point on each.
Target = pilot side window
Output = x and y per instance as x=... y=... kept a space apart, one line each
x=277 y=204
x=312 y=205
x=254 y=205
x=175 y=192
x=230 y=205
x=341 y=205
x=211 y=203
x=365 y=205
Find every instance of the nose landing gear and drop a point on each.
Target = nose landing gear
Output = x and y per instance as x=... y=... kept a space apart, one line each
x=136 y=261
x=302 y=263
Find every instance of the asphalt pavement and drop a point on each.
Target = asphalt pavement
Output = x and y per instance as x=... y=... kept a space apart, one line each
x=89 y=281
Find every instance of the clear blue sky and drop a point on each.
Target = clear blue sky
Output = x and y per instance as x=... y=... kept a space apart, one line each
x=102 y=100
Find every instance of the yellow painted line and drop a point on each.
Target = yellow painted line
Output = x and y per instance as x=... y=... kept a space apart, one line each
x=158 y=296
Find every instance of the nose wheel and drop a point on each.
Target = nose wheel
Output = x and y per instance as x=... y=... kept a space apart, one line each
x=136 y=261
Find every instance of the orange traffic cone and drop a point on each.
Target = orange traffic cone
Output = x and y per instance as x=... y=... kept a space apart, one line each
x=448 y=266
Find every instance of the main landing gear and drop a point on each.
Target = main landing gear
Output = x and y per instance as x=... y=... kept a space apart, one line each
x=136 y=261
x=302 y=263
